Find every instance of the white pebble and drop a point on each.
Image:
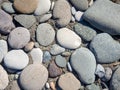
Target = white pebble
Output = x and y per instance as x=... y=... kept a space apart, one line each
x=78 y=16
x=73 y=19
x=52 y=5
x=47 y=85
x=69 y=67
x=73 y=10
x=91 y=2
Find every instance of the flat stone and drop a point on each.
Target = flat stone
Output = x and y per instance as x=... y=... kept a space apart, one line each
x=6 y=24
x=81 y=5
x=45 y=34
x=85 y=32
x=115 y=81
x=19 y=37
x=105 y=48
x=60 y=61
x=54 y=71
x=7 y=6
x=56 y=49
x=43 y=7
x=107 y=20
x=69 y=82
x=3 y=78
x=68 y=38
x=16 y=60
x=22 y=6
x=84 y=58
x=36 y=55
x=45 y=17
x=25 y=20
x=33 y=77
x=3 y=49
x=62 y=12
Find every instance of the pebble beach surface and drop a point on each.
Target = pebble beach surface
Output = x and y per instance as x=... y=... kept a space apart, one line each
x=59 y=45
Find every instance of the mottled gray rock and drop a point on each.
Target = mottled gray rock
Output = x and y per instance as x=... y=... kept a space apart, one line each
x=45 y=17
x=80 y=4
x=62 y=12
x=105 y=48
x=85 y=32
x=33 y=77
x=115 y=81
x=25 y=20
x=46 y=56
x=93 y=87
x=19 y=37
x=56 y=49
x=45 y=34
x=60 y=61
x=81 y=59
x=7 y=6
x=104 y=15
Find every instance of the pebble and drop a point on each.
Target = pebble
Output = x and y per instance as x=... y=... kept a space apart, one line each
x=104 y=20
x=6 y=24
x=69 y=67
x=52 y=5
x=100 y=71
x=46 y=56
x=93 y=87
x=25 y=20
x=91 y=2
x=60 y=61
x=85 y=32
x=33 y=77
x=45 y=17
x=43 y=7
x=73 y=19
x=8 y=7
x=3 y=49
x=66 y=54
x=115 y=81
x=105 y=48
x=29 y=46
x=19 y=37
x=56 y=49
x=52 y=85
x=69 y=82
x=62 y=12
x=78 y=16
x=15 y=86
x=22 y=6
x=36 y=55
x=84 y=58
x=73 y=11
x=54 y=71
x=3 y=78
x=47 y=85
x=45 y=34
x=68 y=38
x=16 y=59
x=81 y=5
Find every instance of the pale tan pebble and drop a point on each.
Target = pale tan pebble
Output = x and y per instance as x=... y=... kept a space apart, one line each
x=52 y=85
x=29 y=46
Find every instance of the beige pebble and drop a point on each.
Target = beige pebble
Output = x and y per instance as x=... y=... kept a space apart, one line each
x=29 y=46
x=52 y=85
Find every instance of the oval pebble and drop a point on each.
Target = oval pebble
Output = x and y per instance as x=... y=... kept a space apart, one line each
x=16 y=59
x=19 y=37
x=45 y=17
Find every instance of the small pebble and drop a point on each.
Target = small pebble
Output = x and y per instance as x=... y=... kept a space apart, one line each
x=69 y=67
x=52 y=5
x=73 y=19
x=91 y=2
x=45 y=17
x=73 y=10
x=47 y=85
x=78 y=16
x=46 y=56
x=29 y=46
x=52 y=85
x=66 y=54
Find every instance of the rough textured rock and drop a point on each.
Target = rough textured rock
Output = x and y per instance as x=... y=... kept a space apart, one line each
x=104 y=15
x=105 y=48
x=62 y=12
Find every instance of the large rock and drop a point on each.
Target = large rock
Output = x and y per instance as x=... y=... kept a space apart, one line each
x=81 y=59
x=33 y=77
x=104 y=15
x=105 y=48
x=80 y=4
x=62 y=12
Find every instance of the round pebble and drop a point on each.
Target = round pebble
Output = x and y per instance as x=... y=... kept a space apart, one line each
x=16 y=59
x=19 y=37
x=45 y=34
x=33 y=77
x=29 y=46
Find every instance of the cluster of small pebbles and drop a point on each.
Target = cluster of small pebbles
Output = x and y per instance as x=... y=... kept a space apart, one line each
x=59 y=44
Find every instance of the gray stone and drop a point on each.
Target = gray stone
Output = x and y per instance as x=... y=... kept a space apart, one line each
x=84 y=31
x=105 y=48
x=80 y=4
x=45 y=34
x=3 y=49
x=93 y=87
x=60 y=61
x=7 y=6
x=33 y=77
x=19 y=37
x=25 y=20
x=104 y=15
x=115 y=81
x=45 y=17
x=56 y=49
x=81 y=59
x=62 y=12
x=46 y=56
